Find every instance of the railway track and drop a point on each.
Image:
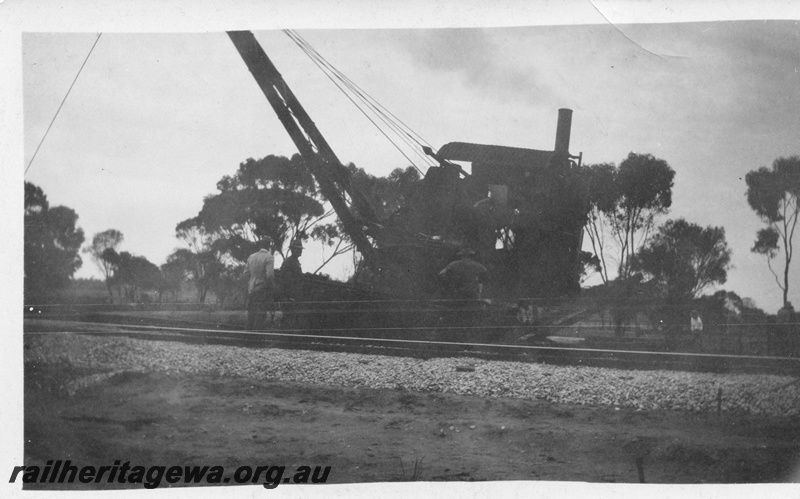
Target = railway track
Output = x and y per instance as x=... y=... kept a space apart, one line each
x=366 y=340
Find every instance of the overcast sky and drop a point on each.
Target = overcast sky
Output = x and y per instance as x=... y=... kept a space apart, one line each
x=155 y=120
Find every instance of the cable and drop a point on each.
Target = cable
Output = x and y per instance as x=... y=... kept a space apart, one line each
x=320 y=62
x=376 y=108
x=363 y=93
x=62 y=103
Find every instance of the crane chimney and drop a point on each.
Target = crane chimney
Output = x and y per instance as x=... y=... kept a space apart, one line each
x=563 y=130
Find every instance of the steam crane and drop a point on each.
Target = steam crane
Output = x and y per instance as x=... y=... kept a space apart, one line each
x=520 y=210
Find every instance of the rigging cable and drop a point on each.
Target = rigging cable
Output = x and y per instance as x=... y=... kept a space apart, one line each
x=319 y=63
x=62 y=103
x=376 y=108
x=373 y=103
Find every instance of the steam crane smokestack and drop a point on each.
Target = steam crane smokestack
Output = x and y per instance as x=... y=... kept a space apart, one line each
x=563 y=130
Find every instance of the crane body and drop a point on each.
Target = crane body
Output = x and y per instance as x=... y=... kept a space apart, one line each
x=519 y=210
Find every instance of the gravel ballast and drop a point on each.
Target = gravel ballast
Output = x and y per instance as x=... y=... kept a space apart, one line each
x=642 y=390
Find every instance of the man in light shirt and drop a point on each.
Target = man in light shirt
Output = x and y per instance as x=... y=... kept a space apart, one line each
x=696 y=327
x=260 y=274
x=696 y=323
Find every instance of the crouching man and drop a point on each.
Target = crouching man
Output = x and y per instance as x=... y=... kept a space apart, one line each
x=463 y=279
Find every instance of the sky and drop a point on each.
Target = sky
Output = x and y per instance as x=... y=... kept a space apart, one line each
x=156 y=119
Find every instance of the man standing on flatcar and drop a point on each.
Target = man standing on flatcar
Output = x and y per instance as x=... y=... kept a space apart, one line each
x=260 y=274
x=291 y=266
x=291 y=274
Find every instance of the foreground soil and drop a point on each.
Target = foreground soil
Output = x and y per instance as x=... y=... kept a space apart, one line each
x=369 y=435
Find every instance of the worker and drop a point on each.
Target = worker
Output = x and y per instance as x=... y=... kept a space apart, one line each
x=291 y=266
x=696 y=327
x=463 y=278
x=260 y=275
x=290 y=273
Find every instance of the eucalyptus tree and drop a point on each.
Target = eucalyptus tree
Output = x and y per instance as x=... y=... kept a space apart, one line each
x=108 y=239
x=625 y=201
x=52 y=241
x=773 y=194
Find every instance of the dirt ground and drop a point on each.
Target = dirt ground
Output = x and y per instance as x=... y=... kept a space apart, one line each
x=389 y=435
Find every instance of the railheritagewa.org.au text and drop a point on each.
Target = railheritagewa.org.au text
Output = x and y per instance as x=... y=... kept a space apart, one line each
x=151 y=477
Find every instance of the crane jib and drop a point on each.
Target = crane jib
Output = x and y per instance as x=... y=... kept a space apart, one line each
x=331 y=175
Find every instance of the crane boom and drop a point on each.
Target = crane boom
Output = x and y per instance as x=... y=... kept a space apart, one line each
x=333 y=178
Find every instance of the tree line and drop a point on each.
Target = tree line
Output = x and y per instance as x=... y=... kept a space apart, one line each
x=672 y=264
x=274 y=196
x=633 y=255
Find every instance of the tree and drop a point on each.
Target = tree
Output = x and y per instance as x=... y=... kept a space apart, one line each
x=133 y=273
x=108 y=239
x=273 y=196
x=227 y=285
x=52 y=242
x=278 y=197
x=603 y=198
x=202 y=261
x=332 y=236
x=202 y=269
x=625 y=201
x=773 y=194
x=173 y=275
x=387 y=195
x=685 y=259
